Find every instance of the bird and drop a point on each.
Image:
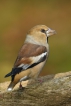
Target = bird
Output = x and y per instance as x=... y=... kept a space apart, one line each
x=32 y=55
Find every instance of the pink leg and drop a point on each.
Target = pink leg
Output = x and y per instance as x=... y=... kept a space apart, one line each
x=40 y=80
x=20 y=86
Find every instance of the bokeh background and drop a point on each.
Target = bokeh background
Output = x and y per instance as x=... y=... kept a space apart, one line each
x=18 y=16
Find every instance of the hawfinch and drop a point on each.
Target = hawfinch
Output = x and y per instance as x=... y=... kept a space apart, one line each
x=32 y=55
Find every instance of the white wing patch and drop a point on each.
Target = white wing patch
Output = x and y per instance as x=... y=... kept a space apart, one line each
x=34 y=60
x=37 y=58
x=21 y=65
x=24 y=66
x=43 y=54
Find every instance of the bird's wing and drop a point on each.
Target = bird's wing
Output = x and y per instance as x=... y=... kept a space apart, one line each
x=29 y=56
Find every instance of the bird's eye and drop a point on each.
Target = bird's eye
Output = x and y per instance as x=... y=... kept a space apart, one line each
x=42 y=30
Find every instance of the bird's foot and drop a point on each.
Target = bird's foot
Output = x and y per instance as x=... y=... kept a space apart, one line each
x=20 y=86
x=40 y=80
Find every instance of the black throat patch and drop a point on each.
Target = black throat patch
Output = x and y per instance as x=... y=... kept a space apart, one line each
x=47 y=39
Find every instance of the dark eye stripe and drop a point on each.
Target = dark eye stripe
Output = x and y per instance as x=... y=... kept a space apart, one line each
x=42 y=30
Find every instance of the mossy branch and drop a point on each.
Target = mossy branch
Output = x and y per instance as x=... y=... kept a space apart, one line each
x=54 y=90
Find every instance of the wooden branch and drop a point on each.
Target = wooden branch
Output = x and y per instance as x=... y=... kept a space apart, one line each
x=54 y=90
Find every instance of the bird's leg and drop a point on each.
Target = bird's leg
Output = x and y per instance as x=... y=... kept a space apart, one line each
x=40 y=80
x=20 y=86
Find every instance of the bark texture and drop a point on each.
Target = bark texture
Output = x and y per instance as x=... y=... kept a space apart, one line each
x=53 y=90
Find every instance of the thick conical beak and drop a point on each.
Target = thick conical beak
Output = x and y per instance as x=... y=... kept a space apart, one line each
x=50 y=32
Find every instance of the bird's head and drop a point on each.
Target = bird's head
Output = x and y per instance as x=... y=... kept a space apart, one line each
x=40 y=34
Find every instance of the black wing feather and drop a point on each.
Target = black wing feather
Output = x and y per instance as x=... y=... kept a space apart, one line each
x=19 y=69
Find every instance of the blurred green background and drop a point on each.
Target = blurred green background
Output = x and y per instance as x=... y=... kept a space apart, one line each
x=18 y=16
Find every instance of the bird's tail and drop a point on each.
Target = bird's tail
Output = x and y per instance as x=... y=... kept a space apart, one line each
x=9 y=74
x=11 y=86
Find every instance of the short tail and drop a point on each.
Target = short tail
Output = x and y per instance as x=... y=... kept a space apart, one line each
x=11 y=86
x=9 y=74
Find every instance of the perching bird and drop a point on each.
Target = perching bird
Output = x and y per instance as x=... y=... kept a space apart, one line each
x=32 y=56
